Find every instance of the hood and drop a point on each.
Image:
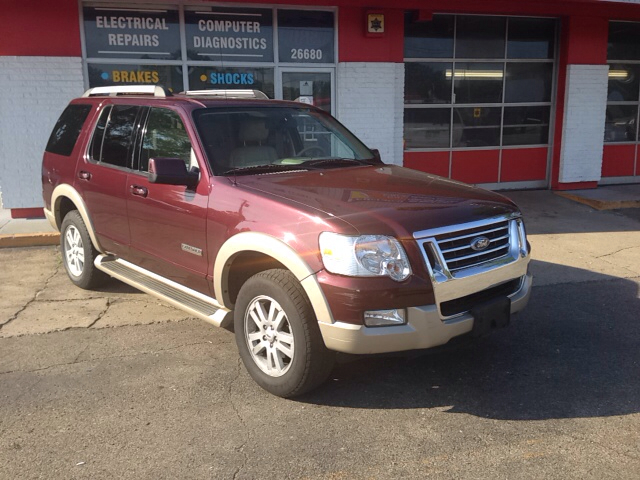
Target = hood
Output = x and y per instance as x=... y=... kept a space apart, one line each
x=387 y=200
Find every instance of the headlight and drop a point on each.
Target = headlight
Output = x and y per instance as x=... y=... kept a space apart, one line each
x=364 y=256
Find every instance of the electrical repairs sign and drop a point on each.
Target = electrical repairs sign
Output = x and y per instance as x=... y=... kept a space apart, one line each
x=139 y=34
x=233 y=35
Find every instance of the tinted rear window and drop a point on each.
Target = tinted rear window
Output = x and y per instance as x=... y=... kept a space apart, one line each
x=67 y=129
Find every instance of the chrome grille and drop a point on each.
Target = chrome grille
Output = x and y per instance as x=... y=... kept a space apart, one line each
x=456 y=246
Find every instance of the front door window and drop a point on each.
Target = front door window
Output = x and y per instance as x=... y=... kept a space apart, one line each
x=312 y=88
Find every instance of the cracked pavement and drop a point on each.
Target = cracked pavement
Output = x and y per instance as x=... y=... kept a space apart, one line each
x=116 y=384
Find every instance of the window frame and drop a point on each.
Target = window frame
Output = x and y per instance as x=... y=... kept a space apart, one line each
x=185 y=63
x=505 y=60
x=134 y=136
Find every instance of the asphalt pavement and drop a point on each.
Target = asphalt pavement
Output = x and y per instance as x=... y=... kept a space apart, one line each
x=115 y=384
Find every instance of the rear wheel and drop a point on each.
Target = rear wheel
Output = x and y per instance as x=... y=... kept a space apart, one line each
x=78 y=253
x=278 y=336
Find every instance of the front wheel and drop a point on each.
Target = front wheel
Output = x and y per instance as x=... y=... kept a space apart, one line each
x=78 y=253
x=278 y=336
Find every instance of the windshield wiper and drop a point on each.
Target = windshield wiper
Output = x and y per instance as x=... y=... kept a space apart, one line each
x=255 y=169
x=323 y=162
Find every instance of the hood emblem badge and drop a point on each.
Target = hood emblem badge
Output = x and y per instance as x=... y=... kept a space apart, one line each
x=480 y=243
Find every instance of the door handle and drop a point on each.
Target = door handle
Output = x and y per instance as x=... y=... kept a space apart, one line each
x=139 y=191
x=82 y=175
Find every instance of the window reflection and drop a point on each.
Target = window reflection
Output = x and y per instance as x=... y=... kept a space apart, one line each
x=502 y=73
x=427 y=128
x=428 y=83
x=621 y=123
x=526 y=125
x=480 y=126
x=478 y=82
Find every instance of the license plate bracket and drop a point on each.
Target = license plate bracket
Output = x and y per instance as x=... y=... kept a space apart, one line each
x=495 y=313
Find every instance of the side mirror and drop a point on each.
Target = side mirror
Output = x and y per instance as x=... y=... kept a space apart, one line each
x=171 y=171
x=376 y=155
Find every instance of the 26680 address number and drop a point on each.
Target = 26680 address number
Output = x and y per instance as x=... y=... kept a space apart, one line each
x=306 y=54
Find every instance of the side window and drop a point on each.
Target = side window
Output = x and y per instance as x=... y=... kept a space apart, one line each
x=95 y=149
x=165 y=136
x=118 y=135
x=67 y=129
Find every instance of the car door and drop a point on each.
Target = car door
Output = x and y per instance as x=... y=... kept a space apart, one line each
x=168 y=222
x=102 y=175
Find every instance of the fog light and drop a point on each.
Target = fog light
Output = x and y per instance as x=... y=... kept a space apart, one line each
x=381 y=318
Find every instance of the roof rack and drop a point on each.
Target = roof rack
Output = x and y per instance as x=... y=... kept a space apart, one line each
x=115 y=90
x=240 y=93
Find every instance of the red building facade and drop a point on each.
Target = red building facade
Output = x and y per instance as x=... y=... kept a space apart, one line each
x=503 y=94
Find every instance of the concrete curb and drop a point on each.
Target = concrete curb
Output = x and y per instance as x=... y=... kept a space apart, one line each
x=29 y=240
x=600 y=204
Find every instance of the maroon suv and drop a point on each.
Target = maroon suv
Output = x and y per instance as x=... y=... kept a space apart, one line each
x=274 y=215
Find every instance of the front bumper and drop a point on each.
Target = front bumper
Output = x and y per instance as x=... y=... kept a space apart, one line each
x=425 y=328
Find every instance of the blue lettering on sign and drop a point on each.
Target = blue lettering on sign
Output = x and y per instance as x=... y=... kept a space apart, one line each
x=231 y=78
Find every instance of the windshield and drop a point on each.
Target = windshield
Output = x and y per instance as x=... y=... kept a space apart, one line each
x=252 y=139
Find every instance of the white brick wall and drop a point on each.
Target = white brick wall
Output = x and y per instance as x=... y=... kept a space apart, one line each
x=584 y=118
x=35 y=91
x=370 y=99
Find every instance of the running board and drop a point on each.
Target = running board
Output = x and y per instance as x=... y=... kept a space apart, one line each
x=195 y=303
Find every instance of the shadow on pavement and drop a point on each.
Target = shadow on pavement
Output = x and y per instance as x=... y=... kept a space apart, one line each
x=573 y=352
x=547 y=213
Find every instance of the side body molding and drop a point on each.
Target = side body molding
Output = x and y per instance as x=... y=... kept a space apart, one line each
x=280 y=251
x=66 y=190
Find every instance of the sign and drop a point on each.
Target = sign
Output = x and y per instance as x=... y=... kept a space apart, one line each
x=305 y=36
x=169 y=76
x=375 y=23
x=226 y=34
x=140 y=34
x=226 y=78
x=306 y=88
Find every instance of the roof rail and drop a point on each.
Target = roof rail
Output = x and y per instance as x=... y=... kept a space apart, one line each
x=115 y=90
x=240 y=93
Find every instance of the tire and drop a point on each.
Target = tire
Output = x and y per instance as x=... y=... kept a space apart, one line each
x=278 y=336
x=78 y=253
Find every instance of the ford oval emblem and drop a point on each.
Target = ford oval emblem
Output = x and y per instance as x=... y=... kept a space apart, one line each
x=480 y=243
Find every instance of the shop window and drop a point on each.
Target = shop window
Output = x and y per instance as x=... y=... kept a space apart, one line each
x=427 y=128
x=621 y=124
x=478 y=82
x=624 y=82
x=623 y=96
x=101 y=74
x=428 y=82
x=502 y=71
x=432 y=39
x=207 y=46
x=531 y=38
x=112 y=32
x=526 y=125
x=480 y=37
x=528 y=82
x=233 y=78
x=480 y=127
x=229 y=34
x=624 y=41
x=305 y=36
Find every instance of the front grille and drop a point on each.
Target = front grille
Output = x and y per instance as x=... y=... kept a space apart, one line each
x=456 y=246
x=464 y=304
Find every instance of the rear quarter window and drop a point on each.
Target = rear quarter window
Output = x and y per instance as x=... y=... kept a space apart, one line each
x=67 y=129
